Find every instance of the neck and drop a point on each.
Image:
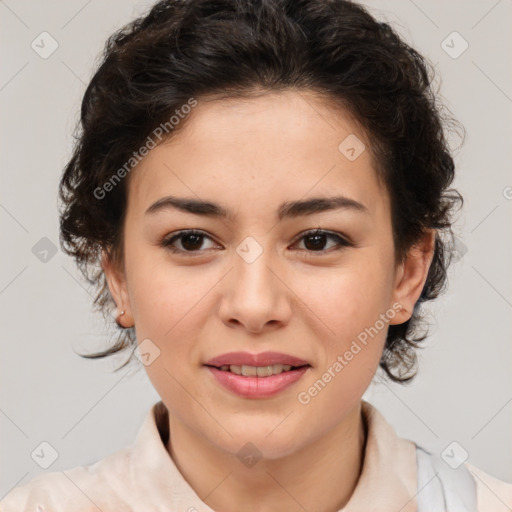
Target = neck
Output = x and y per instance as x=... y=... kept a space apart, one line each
x=321 y=476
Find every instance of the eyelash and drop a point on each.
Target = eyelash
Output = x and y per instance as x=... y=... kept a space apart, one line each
x=342 y=242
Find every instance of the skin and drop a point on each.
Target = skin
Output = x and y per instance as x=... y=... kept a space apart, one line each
x=251 y=155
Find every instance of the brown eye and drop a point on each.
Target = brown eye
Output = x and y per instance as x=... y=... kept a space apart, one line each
x=190 y=240
x=315 y=241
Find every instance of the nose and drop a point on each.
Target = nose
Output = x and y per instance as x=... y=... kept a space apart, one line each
x=256 y=296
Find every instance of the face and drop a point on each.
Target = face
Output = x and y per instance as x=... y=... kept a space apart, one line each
x=250 y=272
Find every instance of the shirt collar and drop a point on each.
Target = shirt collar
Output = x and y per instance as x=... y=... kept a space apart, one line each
x=388 y=482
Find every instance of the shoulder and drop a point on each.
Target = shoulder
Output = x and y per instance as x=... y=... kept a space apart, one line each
x=110 y=484
x=461 y=486
x=80 y=489
x=494 y=495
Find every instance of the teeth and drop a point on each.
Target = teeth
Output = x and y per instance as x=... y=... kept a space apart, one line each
x=260 y=371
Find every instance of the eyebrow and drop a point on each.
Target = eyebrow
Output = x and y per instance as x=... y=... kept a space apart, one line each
x=289 y=209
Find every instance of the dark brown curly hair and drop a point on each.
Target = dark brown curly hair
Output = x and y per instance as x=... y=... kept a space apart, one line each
x=184 y=49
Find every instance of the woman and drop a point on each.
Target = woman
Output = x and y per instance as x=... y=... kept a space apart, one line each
x=261 y=188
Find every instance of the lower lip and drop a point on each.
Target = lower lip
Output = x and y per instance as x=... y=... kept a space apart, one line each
x=257 y=387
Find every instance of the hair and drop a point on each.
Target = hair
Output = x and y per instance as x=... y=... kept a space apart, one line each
x=221 y=49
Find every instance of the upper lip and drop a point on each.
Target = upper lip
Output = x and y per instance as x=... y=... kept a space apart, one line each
x=261 y=359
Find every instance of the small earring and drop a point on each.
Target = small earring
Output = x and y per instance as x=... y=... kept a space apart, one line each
x=117 y=319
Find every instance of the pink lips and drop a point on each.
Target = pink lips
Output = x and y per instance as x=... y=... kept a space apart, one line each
x=261 y=359
x=256 y=387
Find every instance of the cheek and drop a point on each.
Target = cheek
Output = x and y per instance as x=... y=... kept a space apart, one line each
x=350 y=297
x=161 y=293
x=353 y=335
x=169 y=307
x=353 y=304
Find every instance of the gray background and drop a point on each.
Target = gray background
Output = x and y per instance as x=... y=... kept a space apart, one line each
x=463 y=391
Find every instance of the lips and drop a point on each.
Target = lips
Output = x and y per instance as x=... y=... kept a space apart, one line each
x=262 y=375
x=261 y=359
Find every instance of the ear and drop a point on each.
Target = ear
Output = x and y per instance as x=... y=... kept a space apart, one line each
x=118 y=289
x=411 y=275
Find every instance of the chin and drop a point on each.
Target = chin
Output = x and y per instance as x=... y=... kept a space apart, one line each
x=254 y=442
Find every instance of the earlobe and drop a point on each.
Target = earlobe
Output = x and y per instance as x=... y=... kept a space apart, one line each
x=117 y=286
x=411 y=276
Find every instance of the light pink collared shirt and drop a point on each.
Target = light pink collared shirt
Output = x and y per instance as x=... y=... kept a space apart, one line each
x=142 y=477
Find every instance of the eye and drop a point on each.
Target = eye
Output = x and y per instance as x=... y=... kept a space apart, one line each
x=190 y=240
x=315 y=241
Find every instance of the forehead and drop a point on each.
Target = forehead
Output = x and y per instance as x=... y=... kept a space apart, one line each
x=260 y=151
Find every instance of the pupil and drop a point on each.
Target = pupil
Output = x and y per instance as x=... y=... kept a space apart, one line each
x=195 y=239
x=318 y=243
